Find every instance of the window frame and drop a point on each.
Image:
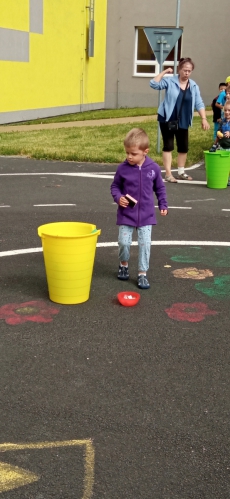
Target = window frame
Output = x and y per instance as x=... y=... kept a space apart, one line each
x=138 y=62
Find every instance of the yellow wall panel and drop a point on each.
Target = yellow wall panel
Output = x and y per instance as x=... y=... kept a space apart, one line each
x=95 y=67
x=58 y=73
x=14 y=14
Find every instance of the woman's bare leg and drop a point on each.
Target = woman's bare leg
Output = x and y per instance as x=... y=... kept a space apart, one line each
x=167 y=162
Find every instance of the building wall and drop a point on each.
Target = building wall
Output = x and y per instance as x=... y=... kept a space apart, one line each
x=44 y=66
x=203 y=23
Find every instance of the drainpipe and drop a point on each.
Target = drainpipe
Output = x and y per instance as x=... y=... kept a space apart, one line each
x=176 y=46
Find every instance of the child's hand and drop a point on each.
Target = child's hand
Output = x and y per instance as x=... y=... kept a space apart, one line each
x=123 y=202
x=227 y=134
x=164 y=212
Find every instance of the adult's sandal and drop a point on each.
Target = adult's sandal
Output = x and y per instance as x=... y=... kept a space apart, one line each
x=171 y=179
x=183 y=176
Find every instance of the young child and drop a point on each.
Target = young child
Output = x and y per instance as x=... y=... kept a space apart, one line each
x=223 y=134
x=222 y=96
x=136 y=178
x=227 y=99
x=216 y=110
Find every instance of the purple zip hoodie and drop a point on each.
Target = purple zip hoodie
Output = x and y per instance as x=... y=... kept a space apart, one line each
x=139 y=182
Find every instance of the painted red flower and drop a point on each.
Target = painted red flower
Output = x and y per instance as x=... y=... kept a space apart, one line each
x=191 y=312
x=34 y=311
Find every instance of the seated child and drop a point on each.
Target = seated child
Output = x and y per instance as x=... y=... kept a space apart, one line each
x=227 y=98
x=223 y=134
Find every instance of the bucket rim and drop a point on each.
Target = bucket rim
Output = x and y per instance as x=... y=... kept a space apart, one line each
x=221 y=152
x=96 y=232
x=43 y=230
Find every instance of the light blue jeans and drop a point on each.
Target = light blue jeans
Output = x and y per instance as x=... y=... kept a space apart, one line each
x=144 y=244
x=216 y=128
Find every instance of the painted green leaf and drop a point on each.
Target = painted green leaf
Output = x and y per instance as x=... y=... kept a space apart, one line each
x=209 y=257
x=220 y=288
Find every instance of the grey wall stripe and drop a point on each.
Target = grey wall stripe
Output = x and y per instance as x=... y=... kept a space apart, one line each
x=14 y=45
x=36 y=16
x=32 y=114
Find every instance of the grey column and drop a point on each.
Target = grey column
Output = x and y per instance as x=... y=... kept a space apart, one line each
x=36 y=16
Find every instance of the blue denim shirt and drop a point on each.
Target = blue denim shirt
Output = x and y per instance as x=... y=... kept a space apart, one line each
x=172 y=89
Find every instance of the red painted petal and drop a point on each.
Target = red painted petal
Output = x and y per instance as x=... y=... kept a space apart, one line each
x=14 y=321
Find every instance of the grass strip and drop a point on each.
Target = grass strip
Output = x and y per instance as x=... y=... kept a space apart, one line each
x=102 y=144
x=94 y=115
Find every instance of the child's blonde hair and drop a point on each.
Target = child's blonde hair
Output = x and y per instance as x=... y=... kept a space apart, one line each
x=227 y=104
x=137 y=137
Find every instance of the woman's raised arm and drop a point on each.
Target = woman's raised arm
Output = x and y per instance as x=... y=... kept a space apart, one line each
x=162 y=74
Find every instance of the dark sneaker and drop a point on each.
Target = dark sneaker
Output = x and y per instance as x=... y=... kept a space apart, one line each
x=143 y=282
x=123 y=273
x=213 y=148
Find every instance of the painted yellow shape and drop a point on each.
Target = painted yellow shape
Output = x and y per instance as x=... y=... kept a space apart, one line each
x=89 y=457
x=12 y=477
x=14 y=14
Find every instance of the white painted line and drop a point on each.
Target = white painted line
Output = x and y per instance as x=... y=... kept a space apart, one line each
x=105 y=174
x=54 y=205
x=170 y=243
x=67 y=174
x=135 y=243
x=194 y=182
x=92 y=175
x=225 y=209
x=196 y=200
x=20 y=252
x=178 y=207
x=5 y=206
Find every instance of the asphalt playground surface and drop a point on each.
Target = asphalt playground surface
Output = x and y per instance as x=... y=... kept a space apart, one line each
x=106 y=401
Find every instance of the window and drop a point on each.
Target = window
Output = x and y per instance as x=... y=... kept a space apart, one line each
x=145 y=63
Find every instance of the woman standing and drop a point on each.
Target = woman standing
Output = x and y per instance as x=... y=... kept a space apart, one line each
x=182 y=96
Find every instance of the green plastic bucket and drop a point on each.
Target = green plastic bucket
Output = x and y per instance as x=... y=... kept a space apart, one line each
x=217 y=165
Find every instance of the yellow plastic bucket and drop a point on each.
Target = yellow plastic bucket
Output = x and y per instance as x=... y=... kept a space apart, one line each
x=69 y=252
